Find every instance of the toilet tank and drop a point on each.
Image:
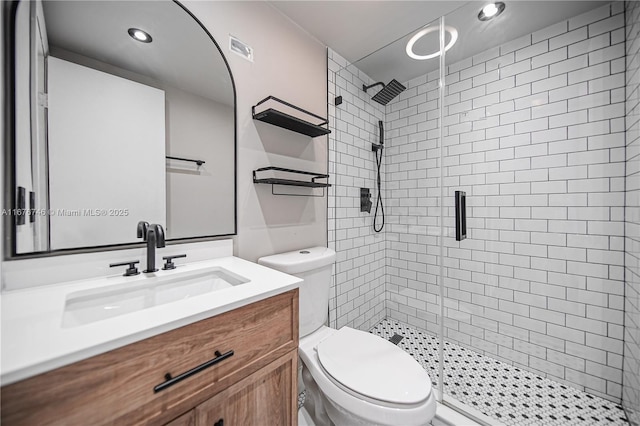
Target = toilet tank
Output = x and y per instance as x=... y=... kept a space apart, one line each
x=314 y=266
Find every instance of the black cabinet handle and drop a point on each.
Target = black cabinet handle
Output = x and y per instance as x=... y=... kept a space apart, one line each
x=170 y=381
x=219 y=423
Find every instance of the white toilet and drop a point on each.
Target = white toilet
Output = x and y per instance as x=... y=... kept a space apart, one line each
x=352 y=377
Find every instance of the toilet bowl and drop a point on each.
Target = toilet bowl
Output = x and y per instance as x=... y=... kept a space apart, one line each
x=360 y=378
x=351 y=377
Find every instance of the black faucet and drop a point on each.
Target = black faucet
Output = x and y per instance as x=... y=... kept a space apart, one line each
x=154 y=236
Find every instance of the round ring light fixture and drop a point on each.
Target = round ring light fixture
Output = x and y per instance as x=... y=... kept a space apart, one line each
x=452 y=32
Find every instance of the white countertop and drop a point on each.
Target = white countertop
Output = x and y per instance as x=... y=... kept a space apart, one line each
x=34 y=340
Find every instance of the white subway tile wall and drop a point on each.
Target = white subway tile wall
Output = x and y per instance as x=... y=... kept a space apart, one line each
x=631 y=380
x=535 y=135
x=358 y=287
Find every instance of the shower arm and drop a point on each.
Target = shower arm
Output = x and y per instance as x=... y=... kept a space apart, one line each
x=365 y=87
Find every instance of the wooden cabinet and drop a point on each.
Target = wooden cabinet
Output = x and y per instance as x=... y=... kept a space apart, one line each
x=246 y=354
x=261 y=399
x=187 y=419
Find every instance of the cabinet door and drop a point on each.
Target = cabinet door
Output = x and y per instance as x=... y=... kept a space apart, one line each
x=187 y=419
x=267 y=397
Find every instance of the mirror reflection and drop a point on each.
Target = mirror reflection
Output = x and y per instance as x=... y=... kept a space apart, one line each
x=125 y=111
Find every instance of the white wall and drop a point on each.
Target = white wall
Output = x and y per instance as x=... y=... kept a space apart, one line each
x=106 y=154
x=290 y=65
x=199 y=198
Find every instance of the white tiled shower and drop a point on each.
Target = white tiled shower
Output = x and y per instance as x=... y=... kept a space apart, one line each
x=360 y=265
x=534 y=132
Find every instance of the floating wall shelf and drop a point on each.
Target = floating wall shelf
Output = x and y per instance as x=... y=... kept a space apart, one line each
x=291 y=182
x=289 y=122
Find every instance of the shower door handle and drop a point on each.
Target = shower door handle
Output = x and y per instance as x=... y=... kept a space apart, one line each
x=461 y=215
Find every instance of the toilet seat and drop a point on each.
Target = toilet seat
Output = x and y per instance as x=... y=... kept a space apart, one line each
x=374 y=411
x=373 y=367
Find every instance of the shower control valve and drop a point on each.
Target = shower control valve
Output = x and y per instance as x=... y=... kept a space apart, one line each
x=365 y=200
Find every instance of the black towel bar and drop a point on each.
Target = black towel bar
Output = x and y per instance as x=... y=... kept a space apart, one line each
x=198 y=162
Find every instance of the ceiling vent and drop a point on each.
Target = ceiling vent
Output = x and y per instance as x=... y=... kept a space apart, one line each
x=240 y=48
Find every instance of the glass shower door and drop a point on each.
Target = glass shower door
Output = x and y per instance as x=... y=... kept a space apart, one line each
x=508 y=242
x=386 y=280
x=534 y=161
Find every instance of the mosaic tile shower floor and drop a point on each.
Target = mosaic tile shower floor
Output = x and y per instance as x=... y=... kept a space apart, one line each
x=499 y=390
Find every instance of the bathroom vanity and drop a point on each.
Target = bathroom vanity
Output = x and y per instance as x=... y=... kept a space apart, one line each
x=224 y=357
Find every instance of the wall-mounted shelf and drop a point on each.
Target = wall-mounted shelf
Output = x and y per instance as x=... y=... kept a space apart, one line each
x=289 y=122
x=291 y=182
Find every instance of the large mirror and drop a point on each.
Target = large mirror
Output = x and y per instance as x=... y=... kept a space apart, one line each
x=119 y=111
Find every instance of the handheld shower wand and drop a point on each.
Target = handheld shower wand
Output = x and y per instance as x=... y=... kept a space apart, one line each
x=379 y=146
x=378 y=149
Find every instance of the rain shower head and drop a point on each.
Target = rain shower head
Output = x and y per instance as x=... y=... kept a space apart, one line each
x=388 y=91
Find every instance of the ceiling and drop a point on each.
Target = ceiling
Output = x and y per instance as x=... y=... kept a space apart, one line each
x=356 y=28
x=375 y=33
x=97 y=30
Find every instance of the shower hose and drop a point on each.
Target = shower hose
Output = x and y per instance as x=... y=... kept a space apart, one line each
x=378 y=154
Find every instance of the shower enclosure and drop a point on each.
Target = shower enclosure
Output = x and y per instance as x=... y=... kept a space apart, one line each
x=532 y=119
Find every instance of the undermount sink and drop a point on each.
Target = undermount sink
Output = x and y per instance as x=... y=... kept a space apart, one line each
x=87 y=306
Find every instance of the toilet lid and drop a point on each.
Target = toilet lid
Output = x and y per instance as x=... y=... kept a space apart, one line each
x=374 y=367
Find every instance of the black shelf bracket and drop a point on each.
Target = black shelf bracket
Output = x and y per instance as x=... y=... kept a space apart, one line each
x=313 y=183
x=289 y=122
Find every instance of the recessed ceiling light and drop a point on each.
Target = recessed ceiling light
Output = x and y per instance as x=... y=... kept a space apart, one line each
x=139 y=35
x=454 y=37
x=491 y=10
